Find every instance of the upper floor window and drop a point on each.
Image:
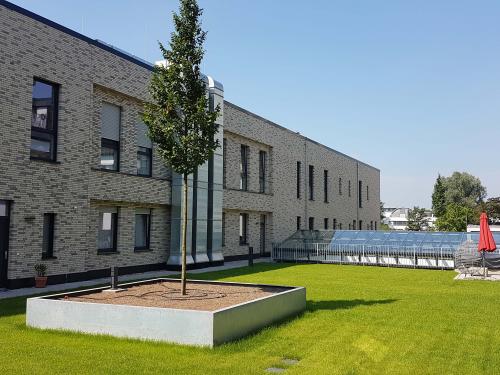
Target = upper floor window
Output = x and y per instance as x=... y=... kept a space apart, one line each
x=110 y=137
x=349 y=188
x=299 y=169
x=325 y=185
x=340 y=185
x=144 y=151
x=245 y=150
x=367 y=193
x=360 y=194
x=311 y=182
x=45 y=98
x=262 y=171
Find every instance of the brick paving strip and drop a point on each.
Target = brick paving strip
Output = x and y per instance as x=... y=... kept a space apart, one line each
x=125 y=278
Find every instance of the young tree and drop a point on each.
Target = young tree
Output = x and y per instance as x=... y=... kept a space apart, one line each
x=438 y=197
x=177 y=116
x=417 y=220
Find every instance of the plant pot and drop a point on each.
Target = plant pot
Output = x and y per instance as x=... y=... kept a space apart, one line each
x=40 y=281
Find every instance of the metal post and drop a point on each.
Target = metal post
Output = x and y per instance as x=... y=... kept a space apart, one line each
x=114 y=277
x=250 y=256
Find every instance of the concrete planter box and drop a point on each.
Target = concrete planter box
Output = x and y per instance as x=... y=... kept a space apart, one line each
x=191 y=327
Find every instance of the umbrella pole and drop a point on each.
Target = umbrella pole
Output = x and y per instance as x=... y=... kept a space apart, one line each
x=484 y=268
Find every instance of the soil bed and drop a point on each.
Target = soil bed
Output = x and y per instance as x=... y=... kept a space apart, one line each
x=166 y=294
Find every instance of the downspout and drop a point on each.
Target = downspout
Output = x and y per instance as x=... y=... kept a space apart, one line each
x=358 y=195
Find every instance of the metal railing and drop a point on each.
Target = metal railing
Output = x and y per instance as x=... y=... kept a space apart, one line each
x=367 y=255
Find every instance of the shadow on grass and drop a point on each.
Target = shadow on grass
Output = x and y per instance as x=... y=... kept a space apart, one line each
x=345 y=304
x=241 y=271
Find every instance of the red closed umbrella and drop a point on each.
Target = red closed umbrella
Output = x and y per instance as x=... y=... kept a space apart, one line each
x=486 y=240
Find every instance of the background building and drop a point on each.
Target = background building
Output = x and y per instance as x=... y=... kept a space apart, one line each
x=83 y=189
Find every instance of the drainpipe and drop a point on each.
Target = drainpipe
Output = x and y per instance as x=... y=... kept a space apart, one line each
x=357 y=197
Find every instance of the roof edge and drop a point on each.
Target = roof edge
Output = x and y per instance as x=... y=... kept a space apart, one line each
x=299 y=135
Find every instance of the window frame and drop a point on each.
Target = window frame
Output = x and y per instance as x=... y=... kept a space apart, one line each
x=49 y=252
x=243 y=228
x=148 y=232
x=149 y=154
x=41 y=134
x=114 y=226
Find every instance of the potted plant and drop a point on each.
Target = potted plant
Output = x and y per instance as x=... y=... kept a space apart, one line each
x=41 y=275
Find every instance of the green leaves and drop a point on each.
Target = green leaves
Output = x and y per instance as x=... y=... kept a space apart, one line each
x=178 y=117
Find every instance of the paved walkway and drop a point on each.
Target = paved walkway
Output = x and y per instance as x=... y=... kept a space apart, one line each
x=493 y=275
x=132 y=277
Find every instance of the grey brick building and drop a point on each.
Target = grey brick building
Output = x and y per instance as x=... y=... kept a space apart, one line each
x=82 y=189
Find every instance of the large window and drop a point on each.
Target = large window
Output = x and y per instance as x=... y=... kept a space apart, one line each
x=110 y=137
x=325 y=185
x=243 y=229
x=44 y=120
x=311 y=223
x=299 y=169
x=107 y=230
x=311 y=182
x=262 y=171
x=144 y=151
x=142 y=229
x=48 y=236
x=244 y=167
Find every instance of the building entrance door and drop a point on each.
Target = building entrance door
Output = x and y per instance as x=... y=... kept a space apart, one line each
x=4 y=241
x=262 y=234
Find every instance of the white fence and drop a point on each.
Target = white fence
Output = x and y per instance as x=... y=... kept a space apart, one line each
x=387 y=256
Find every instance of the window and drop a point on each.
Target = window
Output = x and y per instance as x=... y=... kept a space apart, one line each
x=325 y=185
x=107 y=231
x=349 y=188
x=243 y=229
x=224 y=159
x=48 y=236
x=262 y=171
x=299 y=168
x=325 y=223
x=311 y=182
x=371 y=225
x=350 y=226
x=45 y=98
x=223 y=229
x=334 y=224
x=360 y=194
x=142 y=229
x=354 y=225
x=110 y=137
x=340 y=185
x=144 y=161
x=340 y=226
x=244 y=168
x=375 y=226
x=360 y=225
x=311 y=223
x=299 y=222
x=367 y=193
x=144 y=151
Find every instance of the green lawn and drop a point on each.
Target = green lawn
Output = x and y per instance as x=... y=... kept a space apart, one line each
x=359 y=320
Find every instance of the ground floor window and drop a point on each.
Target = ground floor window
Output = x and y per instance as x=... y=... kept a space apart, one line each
x=298 y=222
x=48 y=235
x=142 y=229
x=311 y=223
x=325 y=223
x=243 y=229
x=334 y=224
x=107 y=230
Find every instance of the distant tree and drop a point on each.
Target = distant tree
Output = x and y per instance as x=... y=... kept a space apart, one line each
x=177 y=116
x=492 y=209
x=384 y=226
x=455 y=218
x=438 y=197
x=464 y=189
x=417 y=220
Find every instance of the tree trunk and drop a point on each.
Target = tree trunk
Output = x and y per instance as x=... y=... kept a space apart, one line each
x=184 y=233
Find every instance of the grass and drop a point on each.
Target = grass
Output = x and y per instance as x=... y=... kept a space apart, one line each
x=359 y=320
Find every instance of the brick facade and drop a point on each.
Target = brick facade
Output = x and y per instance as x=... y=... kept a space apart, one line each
x=75 y=189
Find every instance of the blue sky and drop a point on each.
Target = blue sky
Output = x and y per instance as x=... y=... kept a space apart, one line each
x=411 y=87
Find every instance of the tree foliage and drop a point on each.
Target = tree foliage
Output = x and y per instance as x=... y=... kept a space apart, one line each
x=177 y=116
x=455 y=218
x=417 y=219
x=438 y=197
x=464 y=189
